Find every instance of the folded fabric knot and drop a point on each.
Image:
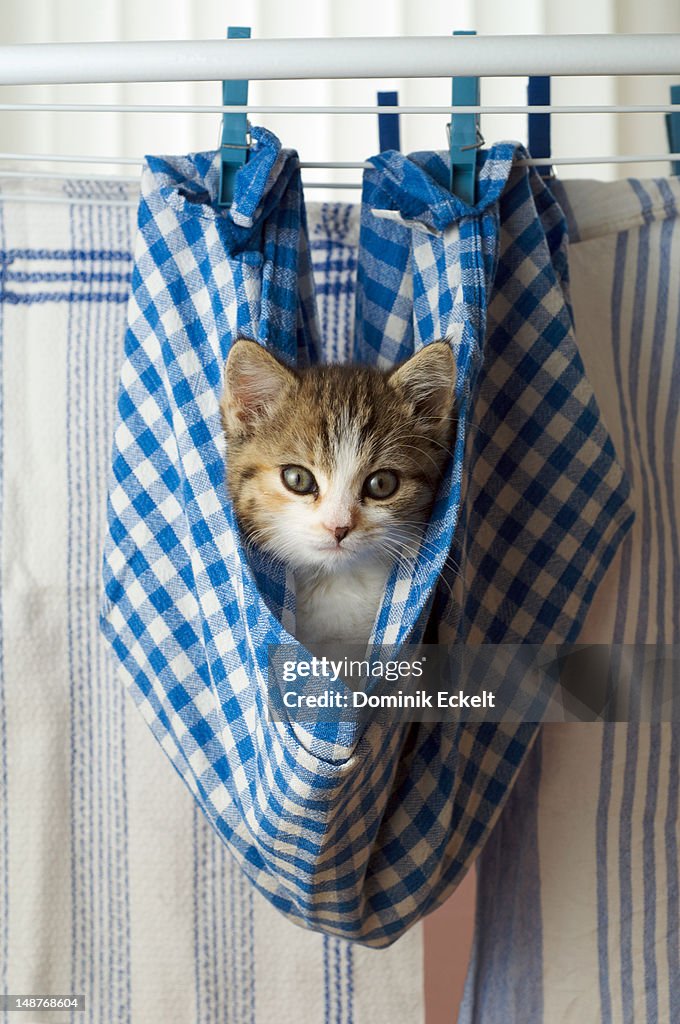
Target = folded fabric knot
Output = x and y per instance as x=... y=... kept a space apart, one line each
x=189 y=185
x=418 y=186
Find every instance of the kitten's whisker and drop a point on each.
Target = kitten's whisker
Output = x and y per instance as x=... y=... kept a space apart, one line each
x=415 y=448
x=468 y=426
x=253 y=537
x=427 y=437
x=478 y=429
x=396 y=556
x=430 y=440
x=395 y=549
x=432 y=552
x=426 y=547
x=416 y=534
x=440 y=579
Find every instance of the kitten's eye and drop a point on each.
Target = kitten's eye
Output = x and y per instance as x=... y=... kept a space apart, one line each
x=381 y=485
x=298 y=480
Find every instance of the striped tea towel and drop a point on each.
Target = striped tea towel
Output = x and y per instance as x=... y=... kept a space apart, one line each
x=583 y=869
x=112 y=882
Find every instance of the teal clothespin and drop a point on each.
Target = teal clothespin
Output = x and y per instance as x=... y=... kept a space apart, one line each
x=464 y=136
x=673 y=129
x=234 y=143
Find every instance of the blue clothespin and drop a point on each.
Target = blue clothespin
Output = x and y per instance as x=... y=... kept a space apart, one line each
x=538 y=95
x=234 y=144
x=464 y=136
x=673 y=129
x=388 y=124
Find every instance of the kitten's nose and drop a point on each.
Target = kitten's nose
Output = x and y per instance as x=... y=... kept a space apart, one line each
x=340 y=532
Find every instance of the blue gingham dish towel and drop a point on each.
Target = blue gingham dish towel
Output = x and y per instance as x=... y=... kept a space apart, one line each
x=355 y=833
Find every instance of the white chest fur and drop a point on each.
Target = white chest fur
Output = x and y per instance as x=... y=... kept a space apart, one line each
x=339 y=606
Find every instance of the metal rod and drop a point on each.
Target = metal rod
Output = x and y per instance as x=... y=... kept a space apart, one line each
x=214 y=108
x=29 y=175
x=26 y=197
x=61 y=158
x=366 y=57
x=66 y=200
x=132 y=203
x=137 y=162
x=340 y=165
x=121 y=180
x=331 y=184
x=629 y=158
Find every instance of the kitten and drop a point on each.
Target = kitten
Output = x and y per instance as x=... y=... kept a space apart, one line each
x=334 y=470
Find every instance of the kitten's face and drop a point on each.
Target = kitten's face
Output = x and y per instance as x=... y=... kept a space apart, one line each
x=332 y=465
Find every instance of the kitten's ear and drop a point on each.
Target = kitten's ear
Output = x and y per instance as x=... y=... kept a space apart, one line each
x=428 y=380
x=254 y=384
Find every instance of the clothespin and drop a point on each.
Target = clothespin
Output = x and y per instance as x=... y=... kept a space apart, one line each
x=388 y=124
x=673 y=129
x=538 y=95
x=464 y=136
x=234 y=143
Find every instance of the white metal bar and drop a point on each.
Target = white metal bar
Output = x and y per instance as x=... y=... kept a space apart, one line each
x=65 y=200
x=331 y=184
x=119 y=179
x=26 y=197
x=337 y=165
x=131 y=161
x=340 y=165
x=392 y=57
x=132 y=203
x=629 y=158
x=60 y=176
x=61 y=158
x=203 y=108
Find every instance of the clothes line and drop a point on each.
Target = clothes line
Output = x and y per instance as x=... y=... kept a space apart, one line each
x=249 y=108
x=342 y=185
x=129 y=180
x=342 y=165
x=25 y=197
x=365 y=57
x=133 y=204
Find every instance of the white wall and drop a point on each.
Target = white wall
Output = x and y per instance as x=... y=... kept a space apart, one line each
x=320 y=137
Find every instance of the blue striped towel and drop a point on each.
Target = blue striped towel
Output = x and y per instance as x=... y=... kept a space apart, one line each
x=220 y=951
x=355 y=832
x=595 y=812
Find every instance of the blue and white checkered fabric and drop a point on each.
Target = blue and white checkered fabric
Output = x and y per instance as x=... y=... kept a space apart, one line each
x=357 y=833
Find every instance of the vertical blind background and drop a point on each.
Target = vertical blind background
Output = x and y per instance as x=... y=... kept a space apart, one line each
x=319 y=137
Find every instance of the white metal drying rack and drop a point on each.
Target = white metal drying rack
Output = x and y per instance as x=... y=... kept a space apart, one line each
x=349 y=58
x=365 y=57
